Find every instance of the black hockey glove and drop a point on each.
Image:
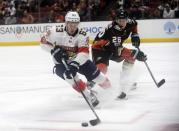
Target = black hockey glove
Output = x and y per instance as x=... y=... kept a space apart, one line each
x=135 y=40
x=73 y=69
x=139 y=55
x=58 y=54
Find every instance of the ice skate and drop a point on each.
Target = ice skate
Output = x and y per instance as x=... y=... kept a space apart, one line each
x=90 y=85
x=133 y=86
x=122 y=96
x=91 y=96
x=93 y=99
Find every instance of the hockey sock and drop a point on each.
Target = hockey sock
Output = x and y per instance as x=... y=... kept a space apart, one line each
x=102 y=67
x=79 y=85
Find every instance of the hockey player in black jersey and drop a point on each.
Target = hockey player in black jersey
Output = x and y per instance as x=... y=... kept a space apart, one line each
x=108 y=45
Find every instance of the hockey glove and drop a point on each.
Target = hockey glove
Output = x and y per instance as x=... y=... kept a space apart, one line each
x=135 y=40
x=73 y=68
x=140 y=56
x=58 y=54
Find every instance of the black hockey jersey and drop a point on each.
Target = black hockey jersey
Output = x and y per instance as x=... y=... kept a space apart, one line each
x=114 y=36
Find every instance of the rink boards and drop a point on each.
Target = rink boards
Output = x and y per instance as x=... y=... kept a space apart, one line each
x=162 y=30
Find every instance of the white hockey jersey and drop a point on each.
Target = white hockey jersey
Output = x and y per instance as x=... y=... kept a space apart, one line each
x=77 y=46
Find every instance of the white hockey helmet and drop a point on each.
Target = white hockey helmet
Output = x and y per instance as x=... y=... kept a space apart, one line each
x=72 y=16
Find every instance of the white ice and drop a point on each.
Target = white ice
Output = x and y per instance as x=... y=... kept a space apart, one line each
x=33 y=99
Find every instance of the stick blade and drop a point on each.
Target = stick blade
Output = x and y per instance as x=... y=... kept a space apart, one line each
x=161 y=83
x=94 y=122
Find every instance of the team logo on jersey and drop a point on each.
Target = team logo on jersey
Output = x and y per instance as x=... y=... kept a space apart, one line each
x=169 y=27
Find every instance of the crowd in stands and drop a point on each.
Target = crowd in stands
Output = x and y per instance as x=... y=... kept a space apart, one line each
x=148 y=9
x=51 y=11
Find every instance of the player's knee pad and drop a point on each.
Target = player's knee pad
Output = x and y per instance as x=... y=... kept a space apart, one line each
x=102 y=67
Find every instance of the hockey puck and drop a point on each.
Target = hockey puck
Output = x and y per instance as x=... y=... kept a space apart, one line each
x=84 y=124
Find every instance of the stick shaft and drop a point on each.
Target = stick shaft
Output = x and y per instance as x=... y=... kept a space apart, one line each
x=151 y=74
x=91 y=107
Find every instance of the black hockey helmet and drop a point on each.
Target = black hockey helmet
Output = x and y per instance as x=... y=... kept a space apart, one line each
x=121 y=14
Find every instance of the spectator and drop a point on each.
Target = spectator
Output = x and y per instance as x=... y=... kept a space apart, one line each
x=177 y=11
x=161 y=9
x=94 y=9
x=59 y=18
x=145 y=11
x=120 y=4
x=50 y=17
x=27 y=18
x=12 y=10
x=83 y=10
x=11 y=19
x=74 y=7
x=58 y=7
x=127 y=4
x=112 y=14
x=66 y=5
x=1 y=19
x=168 y=13
x=33 y=5
x=88 y=9
x=19 y=13
x=156 y=13
x=134 y=10
x=173 y=4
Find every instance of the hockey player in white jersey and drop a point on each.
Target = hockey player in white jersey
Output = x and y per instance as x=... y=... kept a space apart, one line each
x=70 y=43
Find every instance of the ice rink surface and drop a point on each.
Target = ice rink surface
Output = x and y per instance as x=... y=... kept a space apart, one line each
x=33 y=99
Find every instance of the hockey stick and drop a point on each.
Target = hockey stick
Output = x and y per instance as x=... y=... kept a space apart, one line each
x=94 y=121
x=158 y=84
